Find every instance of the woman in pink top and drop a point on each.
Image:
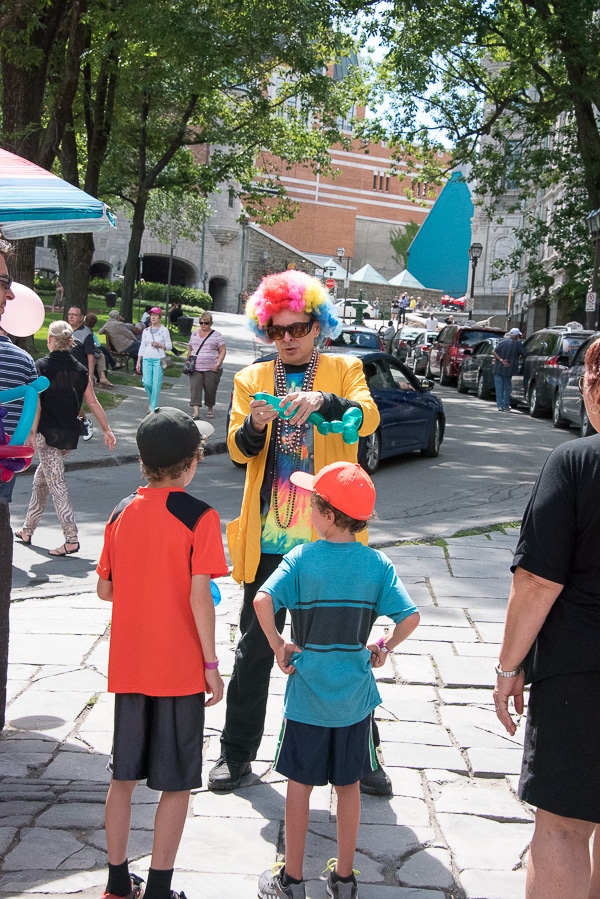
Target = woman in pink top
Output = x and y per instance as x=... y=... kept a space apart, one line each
x=209 y=349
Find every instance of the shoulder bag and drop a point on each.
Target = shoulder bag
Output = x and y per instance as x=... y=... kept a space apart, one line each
x=189 y=366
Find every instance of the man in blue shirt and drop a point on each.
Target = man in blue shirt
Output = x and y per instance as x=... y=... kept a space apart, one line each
x=506 y=363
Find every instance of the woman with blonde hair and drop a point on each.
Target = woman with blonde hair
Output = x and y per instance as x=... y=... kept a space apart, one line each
x=58 y=432
x=207 y=348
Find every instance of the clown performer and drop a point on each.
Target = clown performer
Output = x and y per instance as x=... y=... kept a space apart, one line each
x=290 y=310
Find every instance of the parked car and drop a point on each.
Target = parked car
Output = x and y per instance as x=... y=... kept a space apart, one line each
x=549 y=352
x=412 y=418
x=567 y=406
x=419 y=357
x=477 y=369
x=404 y=341
x=347 y=308
x=353 y=336
x=448 y=351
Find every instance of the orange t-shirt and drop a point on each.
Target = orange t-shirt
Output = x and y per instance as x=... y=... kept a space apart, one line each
x=154 y=542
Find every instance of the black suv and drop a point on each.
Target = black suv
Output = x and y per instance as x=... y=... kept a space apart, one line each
x=549 y=352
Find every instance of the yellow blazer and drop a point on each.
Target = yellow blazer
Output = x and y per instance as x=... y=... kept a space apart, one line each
x=337 y=374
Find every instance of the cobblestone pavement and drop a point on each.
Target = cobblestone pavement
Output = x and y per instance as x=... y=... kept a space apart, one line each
x=453 y=828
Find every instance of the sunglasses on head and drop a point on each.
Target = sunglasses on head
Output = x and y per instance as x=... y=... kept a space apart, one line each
x=295 y=330
x=6 y=281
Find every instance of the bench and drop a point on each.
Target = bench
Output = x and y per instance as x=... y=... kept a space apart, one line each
x=122 y=359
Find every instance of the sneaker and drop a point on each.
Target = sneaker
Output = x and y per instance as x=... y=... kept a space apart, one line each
x=89 y=428
x=271 y=887
x=137 y=889
x=338 y=889
x=376 y=783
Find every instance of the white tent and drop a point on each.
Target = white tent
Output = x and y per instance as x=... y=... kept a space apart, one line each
x=368 y=275
x=405 y=279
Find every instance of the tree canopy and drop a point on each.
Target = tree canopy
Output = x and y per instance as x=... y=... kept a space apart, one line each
x=513 y=86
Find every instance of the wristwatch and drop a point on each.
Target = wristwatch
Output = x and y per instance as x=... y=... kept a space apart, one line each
x=512 y=673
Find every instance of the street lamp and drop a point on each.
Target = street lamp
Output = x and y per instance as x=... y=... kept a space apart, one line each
x=475 y=251
x=340 y=255
x=591 y=305
x=204 y=280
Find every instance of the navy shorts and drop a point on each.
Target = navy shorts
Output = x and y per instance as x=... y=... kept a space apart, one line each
x=159 y=739
x=314 y=755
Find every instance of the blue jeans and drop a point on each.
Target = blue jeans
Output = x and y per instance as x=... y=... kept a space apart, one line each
x=152 y=378
x=502 y=384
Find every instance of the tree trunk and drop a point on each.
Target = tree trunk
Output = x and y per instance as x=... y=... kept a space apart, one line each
x=6 y=554
x=133 y=256
x=80 y=251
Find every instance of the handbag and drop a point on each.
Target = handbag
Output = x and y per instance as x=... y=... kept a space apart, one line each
x=189 y=366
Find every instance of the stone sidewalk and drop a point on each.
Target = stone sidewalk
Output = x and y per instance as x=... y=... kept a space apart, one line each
x=453 y=829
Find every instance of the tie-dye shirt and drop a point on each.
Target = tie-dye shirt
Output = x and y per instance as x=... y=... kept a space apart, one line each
x=276 y=540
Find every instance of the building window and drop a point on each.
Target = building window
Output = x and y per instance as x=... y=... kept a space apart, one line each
x=231 y=196
x=374 y=180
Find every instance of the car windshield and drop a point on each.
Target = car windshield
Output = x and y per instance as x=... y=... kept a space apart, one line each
x=470 y=338
x=357 y=338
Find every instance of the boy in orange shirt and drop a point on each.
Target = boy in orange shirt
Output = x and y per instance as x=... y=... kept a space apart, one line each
x=161 y=547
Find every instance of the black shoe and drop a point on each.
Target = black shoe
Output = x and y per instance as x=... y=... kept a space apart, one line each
x=377 y=783
x=227 y=775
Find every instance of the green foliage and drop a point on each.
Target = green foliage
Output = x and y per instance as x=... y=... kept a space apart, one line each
x=155 y=294
x=514 y=88
x=401 y=239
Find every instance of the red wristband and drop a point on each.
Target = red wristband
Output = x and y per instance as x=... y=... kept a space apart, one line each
x=212 y=666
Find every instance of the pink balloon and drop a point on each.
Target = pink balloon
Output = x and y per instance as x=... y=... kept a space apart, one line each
x=24 y=315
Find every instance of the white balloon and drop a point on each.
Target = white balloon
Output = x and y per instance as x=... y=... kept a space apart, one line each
x=24 y=315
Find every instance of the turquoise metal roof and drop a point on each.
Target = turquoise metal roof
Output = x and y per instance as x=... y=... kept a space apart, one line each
x=439 y=255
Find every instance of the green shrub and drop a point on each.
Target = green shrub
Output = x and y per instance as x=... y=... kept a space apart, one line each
x=154 y=294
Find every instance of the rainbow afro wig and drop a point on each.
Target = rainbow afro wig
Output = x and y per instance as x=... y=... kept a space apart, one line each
x=291 y=290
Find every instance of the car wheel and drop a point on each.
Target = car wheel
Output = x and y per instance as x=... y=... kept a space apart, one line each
x=586 y=429
x=370 y=455
x=366 y=315
x=432 y=450
x=535 y=410
x=461 y=386
x=445 y=376
x=557 y=420
x=482 y=392
x=428 y=373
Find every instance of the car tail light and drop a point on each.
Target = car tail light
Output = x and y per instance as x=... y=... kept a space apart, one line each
x=454 y=352
x=553 y=360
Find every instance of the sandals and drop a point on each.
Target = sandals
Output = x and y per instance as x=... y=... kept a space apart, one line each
x=24 y=538
x=210 y=415
x=106 y=384
x=63 y=551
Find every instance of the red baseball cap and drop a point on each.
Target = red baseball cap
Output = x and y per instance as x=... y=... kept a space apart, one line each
x=156 y=310
x=344 y=485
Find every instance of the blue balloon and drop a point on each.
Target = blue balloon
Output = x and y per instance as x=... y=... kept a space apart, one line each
x=29 y=393
x=215 y=593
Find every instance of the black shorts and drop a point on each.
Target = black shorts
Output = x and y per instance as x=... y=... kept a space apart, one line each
x=561 y=758
x=159 y=739
x=314 y=755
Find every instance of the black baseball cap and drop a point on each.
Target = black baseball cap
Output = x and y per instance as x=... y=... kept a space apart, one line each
x=166 y=436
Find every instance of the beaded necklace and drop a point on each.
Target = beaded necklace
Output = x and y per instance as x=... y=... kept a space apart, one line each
x=288 y=437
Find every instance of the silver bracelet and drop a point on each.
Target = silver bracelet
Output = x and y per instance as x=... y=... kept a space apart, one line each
x=513 y=673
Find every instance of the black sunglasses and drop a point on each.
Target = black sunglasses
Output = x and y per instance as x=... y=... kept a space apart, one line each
x=581 y=384
x=6 y=281
x=295 y=330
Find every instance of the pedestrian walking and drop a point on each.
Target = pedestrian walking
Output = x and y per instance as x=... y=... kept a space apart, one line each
x=58 y=432
x=290 y=309
x=161 y=547
x=154 y=343
x=331 y=691
x=506 y=355
x=207 y=348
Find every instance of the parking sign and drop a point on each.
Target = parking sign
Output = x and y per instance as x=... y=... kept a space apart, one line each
x=590 y=301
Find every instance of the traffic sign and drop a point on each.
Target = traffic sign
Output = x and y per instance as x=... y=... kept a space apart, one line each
x=590 y=301
x=330 y=283
x=469 y=303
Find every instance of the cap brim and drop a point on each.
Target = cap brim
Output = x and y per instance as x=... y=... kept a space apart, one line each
x=205 y=428
x=303 y=479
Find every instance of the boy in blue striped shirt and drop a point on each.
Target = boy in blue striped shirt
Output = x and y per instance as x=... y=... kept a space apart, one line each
x=335 y=589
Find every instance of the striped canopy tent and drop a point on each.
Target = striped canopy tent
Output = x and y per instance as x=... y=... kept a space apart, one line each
x=34 y=202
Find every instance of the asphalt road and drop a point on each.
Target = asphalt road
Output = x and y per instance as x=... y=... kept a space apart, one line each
x=484 y=474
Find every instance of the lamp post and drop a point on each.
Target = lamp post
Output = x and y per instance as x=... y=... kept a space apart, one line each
x=475 y=251
x=170 y=272
x=340 y=255
x=244 y=220
x=204 y=280
x=591 y=300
